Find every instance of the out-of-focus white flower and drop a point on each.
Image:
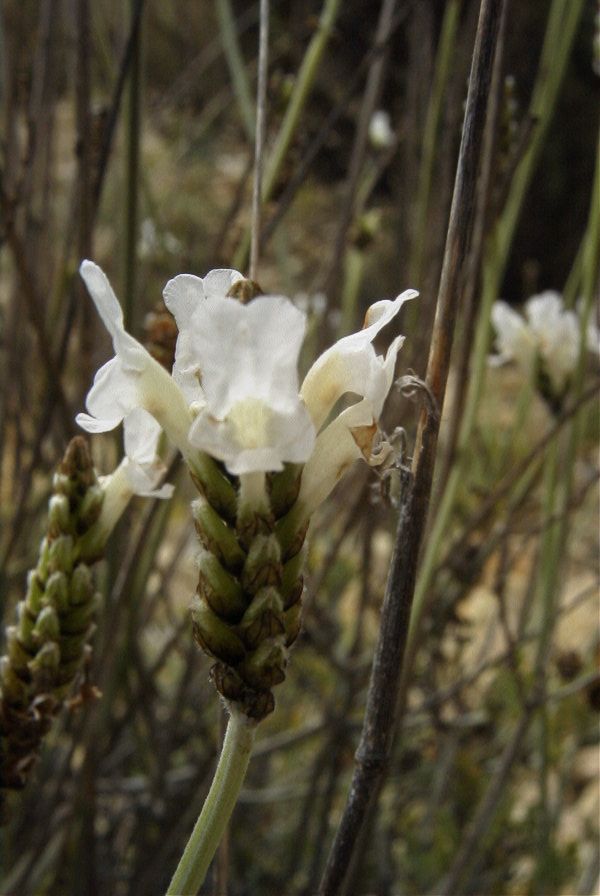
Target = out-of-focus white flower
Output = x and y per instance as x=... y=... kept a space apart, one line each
x=381 y=134
x=315 y=304
x=152 y=241
x=545 y=342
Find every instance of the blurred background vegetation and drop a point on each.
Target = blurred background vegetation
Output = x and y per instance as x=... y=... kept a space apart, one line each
x=127 y=137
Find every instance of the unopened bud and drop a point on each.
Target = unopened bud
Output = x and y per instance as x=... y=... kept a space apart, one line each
x=216 y=535
x=57 y=591
x=71 y=646
x=82 y=585
x=26 y=624
x=46 y=659
x=78 y=618
x=215 y=636
x=292 y=623
x=59 y=515
x=263 y=564
x=47 y=626
x=222 y=590
x=19 y=656
x=262 y=619
x=284 y=488
x=91 y=506
x=292 y=581
x=265 y=667
x=35 y=593
x=60 y=554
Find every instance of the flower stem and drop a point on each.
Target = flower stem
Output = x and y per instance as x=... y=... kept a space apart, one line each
x=217 y=809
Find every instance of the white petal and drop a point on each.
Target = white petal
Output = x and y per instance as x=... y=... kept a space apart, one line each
x=334 y=453
x=352 y=365
x=255 y=437
x=514 y=339
x=182 y=295
x=141 y=433
x=113 y=395
x=248 y=351
x=217 y=283
x=110 y=311
x=543 y=308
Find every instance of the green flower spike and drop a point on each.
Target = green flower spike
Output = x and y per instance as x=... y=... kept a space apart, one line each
x=47 y=646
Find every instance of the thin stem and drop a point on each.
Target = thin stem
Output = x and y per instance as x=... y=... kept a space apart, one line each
x=304 y=83
x=217 y=809
x=555 y=54
x=379 y=722
x=446 y=48
x=235 y=62
x=132 y=178
x=261 y=114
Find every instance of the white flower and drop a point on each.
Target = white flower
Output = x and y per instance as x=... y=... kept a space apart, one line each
x=549 y=337
x=183 y=295
x=381 y=134
x=132 y=379
x=234 y=390
x=253 y=418
x=350 y=366
x=142 y=464
x=138 y=473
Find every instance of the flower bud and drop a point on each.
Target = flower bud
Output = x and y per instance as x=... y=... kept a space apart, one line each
x=219 y=588
x=47 y=626
x=18 y=655
x=265 y=667
x=215 y=636
x=77 y=619
x=60 y=554
x=14 y=689
x=26 y=624
x=263 y=564
x=91 y=507
x=216 y=536
x=292 y=581
x=71 y=646
x=284 y=488
x=82 y=588
x=256 y=704
x=262 y=619
x=59 y=515
x=57 y=591
x=35 y=593
x=292 y=623
x=46 y=659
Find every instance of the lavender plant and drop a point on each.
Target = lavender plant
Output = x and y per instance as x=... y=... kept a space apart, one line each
x=264 y=453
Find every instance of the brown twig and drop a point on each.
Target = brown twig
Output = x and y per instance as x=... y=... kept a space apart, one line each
x=378 y=726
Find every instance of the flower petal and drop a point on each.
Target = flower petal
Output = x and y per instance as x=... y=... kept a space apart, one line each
x=249 y=351
x=334 y=453
x=255 y=437
x=109 y=309
x=352 y=365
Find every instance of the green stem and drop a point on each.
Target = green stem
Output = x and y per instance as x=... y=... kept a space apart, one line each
x=301 y=93
x=444 y=56
x=217 y=809
x=237 y=68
